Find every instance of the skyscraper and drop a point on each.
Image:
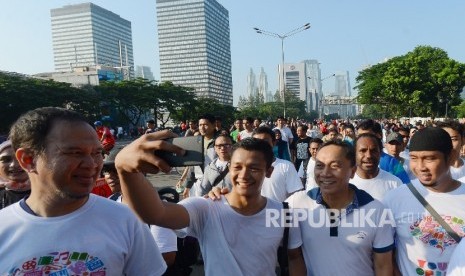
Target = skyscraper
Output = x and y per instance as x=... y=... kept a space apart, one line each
x=195 y=50
x=144 y=72
x=263 y=86
x=342 y=84
x=251 y=84
x=88 y=35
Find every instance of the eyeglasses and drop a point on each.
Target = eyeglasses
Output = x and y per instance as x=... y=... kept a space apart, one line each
x=226 y=146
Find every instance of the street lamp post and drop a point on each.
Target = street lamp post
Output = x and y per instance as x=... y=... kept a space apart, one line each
x=282 y=37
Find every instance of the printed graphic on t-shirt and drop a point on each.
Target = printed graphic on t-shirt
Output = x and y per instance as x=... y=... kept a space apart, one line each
x=430 y=232
x=61 y=264
x=302 y=150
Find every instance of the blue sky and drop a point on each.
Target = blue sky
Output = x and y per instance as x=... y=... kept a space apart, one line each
x=344 y=35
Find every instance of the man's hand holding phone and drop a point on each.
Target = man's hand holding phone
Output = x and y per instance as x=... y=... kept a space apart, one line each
x=139 y=157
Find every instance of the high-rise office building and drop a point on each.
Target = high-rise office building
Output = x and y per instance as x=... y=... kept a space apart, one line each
x=88 y=35
x=144 y=72
x=342 y=84
x=263 y=87
x=304 y=81
x=194 y=45
x=251 y=84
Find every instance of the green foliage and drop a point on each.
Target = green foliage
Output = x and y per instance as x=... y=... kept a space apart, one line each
x=419 y=83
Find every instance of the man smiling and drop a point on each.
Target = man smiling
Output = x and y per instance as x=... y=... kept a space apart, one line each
x=423 y=246
x=61 y=228
x=224 y=227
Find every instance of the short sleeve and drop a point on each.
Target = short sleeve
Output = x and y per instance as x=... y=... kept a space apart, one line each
x=198 y=208
x=165 y=238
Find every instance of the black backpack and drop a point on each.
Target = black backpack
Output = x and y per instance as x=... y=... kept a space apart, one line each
x=188 y=247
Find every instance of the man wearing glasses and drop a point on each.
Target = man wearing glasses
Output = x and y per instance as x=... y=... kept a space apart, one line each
x=217 y=172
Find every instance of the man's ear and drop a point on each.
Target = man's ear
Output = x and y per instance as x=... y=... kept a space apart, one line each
x=269 y=171
x=25 y=160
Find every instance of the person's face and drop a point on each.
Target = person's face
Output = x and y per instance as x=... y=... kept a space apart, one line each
x=349 y=132
x=247 y=171
x=192 y=126
x=456 y=142
x=394 y=148
x=206 y=128
x=10 y=168
x=112 y=179
x=332 y=135
x=313 y=149
x=280 y=122
x=71 y=162
x=256 y=123
x=430 y=167
x=405 y=137
x=223 y=148
x=246 y=124
x=367 y=155
x=301 y=133
x=277 y=136
x=332 y=170
x=266 y=137
x=150 y=125
x=217 y=124
x=238 y=124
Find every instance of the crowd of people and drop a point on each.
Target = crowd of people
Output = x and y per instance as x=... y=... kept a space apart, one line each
x=289 y=197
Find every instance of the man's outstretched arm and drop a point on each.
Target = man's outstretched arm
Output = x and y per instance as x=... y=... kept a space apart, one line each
x=138 y=158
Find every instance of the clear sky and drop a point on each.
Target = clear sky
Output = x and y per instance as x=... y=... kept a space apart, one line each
x=344 y=35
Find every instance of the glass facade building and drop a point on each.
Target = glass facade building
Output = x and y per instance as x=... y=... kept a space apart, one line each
x=88 y=35
x=194 y=45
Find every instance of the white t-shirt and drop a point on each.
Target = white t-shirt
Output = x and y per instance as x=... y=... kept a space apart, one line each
x=282 y=182
x=457 y=173
x=165 y=238
x=377 y=187
x=311 y=183
x=349 y=252
x=231 y=243
x=245 y=134
x=101 y=237
x=456 y=265
x=422 y=244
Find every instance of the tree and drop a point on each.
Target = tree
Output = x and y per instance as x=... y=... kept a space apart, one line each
x=419 y=83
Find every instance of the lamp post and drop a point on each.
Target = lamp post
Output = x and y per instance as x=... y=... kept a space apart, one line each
x=282 y=37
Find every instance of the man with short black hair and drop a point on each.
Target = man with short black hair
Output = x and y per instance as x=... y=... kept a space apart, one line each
x=61 y=228
x=224 y=227
x=423 y=246
x=334 y=239
x=387 y=162
x=368 y=176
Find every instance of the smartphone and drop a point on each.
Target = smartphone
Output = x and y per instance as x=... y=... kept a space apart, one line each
x=194 y=152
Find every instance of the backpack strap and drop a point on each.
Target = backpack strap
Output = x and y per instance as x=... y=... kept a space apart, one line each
x=435 y=214
x=221 y=176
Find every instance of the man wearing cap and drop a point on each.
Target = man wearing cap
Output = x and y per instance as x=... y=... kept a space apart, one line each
x=394 y=146
x=423 y=246
x=368 y=176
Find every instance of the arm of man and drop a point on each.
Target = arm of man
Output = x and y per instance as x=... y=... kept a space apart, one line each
x=296 y=262
x=383 y=263
x=138 y=158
